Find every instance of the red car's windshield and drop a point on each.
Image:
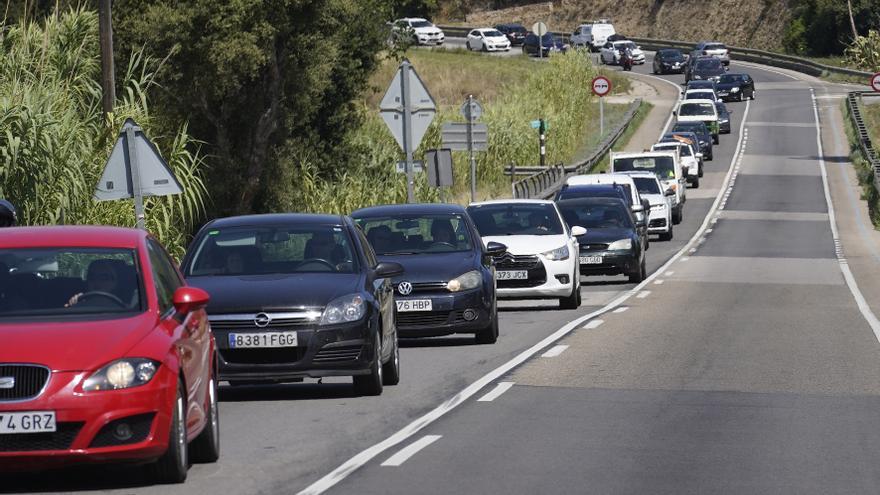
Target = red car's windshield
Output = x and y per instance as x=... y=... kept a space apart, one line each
x=61 y=282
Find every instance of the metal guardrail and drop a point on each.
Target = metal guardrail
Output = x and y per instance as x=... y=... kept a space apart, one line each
x=865 y=145
x=545 y=182
x=763 y=57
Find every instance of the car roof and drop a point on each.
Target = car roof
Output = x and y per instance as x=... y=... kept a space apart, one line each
x=585 y=179
x=512 y=201
x=484 y=29
x=594 y=200
x=412 y=19
x=510 y=24
x=639 y=174
x=697 y=101
x=72 y=236
x=278 y=218
x=412 y=209
x=636 y=154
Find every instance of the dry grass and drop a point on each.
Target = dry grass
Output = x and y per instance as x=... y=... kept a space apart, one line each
x=753 y=23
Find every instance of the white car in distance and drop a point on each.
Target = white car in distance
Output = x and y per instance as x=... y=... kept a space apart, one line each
x=660 y=198
x=417 y=30
x=610 y=52
x=541 y=261
x=487 y=40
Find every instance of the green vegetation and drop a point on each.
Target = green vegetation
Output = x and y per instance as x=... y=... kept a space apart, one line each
x=871 y=115
x=55 y=141
x=521 y=90
x=823 y=28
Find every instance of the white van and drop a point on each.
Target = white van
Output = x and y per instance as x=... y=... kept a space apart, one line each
x=689 y=159
x=666 y=165
x=592 y=35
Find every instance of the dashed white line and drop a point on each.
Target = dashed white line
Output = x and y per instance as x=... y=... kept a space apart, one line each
x=659 y=281
x=684 y=259
x=670 y=273
x=411 y=450
x=593 y=324
x=643 y=294
x=497 y=391
x=621 y=309
x=554 y=351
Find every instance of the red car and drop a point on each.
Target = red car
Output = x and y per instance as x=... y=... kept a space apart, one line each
x=105 y=353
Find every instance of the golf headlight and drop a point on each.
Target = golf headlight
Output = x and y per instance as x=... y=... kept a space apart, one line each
x=470 y=280
x=124 y=373
x=344 y=309
x=621 y=245
x=558 y=254
x=734 y=90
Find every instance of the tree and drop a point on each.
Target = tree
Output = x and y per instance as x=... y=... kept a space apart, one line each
x=260 y=81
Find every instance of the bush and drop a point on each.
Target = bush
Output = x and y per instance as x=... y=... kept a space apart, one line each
x=864 y=52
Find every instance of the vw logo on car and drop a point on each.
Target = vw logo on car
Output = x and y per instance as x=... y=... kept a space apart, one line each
x=405 y=288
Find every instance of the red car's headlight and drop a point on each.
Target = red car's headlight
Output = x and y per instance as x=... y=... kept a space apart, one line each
x=123 y=373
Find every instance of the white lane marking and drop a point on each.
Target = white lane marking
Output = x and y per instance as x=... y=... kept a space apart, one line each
x=864 y=308
x=684 y=259
x=593 y=324
x=497 y=391
x=346 y=468
x=643 y=294
x=555 y=351
x=670 y=273
x=621 y=309
x=659 y=281
x=411 y=450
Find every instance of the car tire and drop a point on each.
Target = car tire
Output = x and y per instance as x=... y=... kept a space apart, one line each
x=716 y=139
x=676 y=216
x=391 y=371
x=640 y=275
x=666 y=236
x=574 y=300
x=709 y=157
x=206 y=447
x=753 y=96
x=488 y=335
x=696 y=182
x=699 y=170
x=172 y=467
x=467 y=44
x=371 y=384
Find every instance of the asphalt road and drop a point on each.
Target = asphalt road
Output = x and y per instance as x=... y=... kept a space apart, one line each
x=747 y=369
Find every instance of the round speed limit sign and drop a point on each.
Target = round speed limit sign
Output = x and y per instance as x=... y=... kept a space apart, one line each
x=875 y=82
x=601 y=86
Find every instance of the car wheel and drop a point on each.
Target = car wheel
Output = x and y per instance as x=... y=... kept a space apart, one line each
x=488 y=335
x=391 y=371
x=716 y=139
x=709 y=157
x=174 y=463
x=206 y=446
x=666 y=236
x=676 y=216
x=696 y=182
x=371 y=384
x=639 y=276
x=467 y=45
x=753 y=95
x=699 y=170
x=483 y=48
x=574 y=300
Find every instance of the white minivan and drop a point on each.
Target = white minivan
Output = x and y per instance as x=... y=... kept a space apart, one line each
x=666 y=165
x=593 y=35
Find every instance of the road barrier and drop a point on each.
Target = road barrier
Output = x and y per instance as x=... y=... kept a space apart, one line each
x=865 y=145
x=544 y=182
x=763 y=57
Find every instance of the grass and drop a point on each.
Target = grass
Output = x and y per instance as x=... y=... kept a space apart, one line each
x=623 y=142
x=863 y=170
x=513 y=91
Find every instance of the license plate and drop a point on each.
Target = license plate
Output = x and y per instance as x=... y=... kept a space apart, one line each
x=27 y=422
x=262 y=340
x=512 y=275
x=414 y=305
x=590 y=260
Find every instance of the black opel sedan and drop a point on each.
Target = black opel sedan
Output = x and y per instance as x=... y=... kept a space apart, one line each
x=736 y=87
x=448 y=285
x=669 y=61
x=612 y=244
x=296 y=296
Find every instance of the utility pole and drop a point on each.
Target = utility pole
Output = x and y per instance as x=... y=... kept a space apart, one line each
x=470 y=144
x=407 y=130
x=852 y=21
x=108 y=82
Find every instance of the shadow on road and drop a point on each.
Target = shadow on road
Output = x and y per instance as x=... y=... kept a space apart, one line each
x=286 y=391
x=456 y=341
x=76 y=479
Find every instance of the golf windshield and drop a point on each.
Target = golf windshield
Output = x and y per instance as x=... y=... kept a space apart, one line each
x=696 y=110
x=493 y=34
x=709 y=64
x=516 y=219
x=417 y=234
x=647 y=185
x=662 y=165
x=601 y=214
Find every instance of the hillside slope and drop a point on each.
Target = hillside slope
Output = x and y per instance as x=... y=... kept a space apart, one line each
x=752 y=23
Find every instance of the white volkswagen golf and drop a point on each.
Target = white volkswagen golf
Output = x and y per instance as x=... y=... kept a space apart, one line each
x=541 y=261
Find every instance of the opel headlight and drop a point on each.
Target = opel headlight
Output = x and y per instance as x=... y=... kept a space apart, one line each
x=470 y=280
x=124 y=373
x=344 y=309
x=623 y=244
x=734 y=90
x=558 y=254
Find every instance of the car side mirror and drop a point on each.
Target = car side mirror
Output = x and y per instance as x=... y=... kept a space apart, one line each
x=674 y=113
x=669 y=192
x=578 y=231
x=187 y=299
x=637 y=208
x=699 y=156
x=642 y=223
x=495 y=249
x=388 y=269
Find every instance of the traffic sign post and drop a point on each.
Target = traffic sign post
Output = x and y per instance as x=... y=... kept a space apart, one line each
x=601 y=87
x=472 y=111
x=540 y=29
x=875 y=82
x=135 y=169
x=408 y=109
x=541 y=126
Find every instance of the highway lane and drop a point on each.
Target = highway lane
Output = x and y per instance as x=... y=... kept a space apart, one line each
x=282 y=438
x=750 y=369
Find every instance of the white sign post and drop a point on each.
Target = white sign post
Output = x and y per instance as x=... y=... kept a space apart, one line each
x=135 y=169
x=875 y=82
x=471 y=110
x=540 y=29
x=601 y=87
x=408 y=109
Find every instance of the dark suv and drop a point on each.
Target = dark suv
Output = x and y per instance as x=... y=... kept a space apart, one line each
x=548 y=44
x=516 y=33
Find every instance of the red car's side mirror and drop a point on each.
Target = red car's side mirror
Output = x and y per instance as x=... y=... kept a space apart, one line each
x=188 y=299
